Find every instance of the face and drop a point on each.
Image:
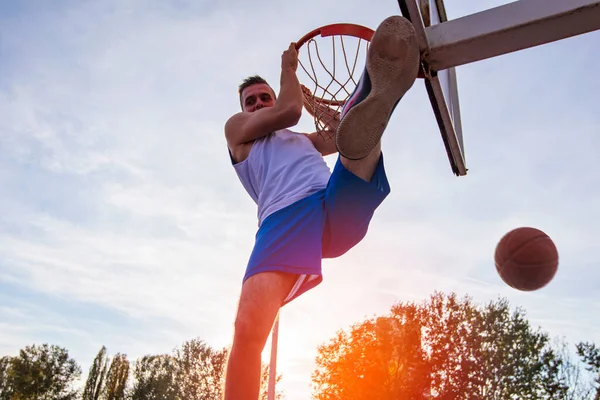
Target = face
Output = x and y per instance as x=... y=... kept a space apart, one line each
x=257 y=96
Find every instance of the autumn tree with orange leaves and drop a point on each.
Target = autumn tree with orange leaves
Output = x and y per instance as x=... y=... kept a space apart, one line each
x=449 y=349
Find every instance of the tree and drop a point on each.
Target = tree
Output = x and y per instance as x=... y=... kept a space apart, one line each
x=155 y=378
x=116 y=379
x=590 y=355
x=39 y=373
x=481 y=352
x=380 y=358
x=264 y=384
x=95 y=380
x=194 y=371
x=443 y=348
x=200 y=370
x=5 y=382
x=570 y=375
x=104 y=382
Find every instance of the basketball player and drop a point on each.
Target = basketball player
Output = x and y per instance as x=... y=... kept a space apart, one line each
x=305 y=211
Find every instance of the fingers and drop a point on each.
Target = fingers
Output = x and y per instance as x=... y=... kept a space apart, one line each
x=305 y=90
x=289 y=58
x=291 y=49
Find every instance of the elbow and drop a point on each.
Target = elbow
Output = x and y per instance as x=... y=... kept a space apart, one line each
x=295 y=115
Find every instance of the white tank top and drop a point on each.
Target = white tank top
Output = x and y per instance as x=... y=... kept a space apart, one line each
x=282 y=168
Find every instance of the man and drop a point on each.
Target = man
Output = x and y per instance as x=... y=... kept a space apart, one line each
x=306 y=212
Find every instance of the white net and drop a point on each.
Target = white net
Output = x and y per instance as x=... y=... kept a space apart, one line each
x=330 y=68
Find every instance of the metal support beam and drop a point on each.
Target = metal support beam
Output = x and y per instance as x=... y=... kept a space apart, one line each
x=508 y=28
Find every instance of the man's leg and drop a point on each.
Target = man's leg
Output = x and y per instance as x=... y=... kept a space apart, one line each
x=359 y=184
x=365 y=167
x=261 y=298
x=391 y=69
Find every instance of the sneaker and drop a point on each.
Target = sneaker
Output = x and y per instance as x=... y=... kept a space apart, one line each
x=391 y=69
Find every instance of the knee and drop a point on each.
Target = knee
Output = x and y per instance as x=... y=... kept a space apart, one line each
x=250 y=331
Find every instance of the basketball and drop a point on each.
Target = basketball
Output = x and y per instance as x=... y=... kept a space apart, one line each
x=526 y=259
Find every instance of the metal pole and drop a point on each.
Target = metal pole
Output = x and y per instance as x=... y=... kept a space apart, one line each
x=511 y=27
x=273 y=364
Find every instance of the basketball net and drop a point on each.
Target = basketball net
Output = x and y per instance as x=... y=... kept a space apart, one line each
x=332 y=64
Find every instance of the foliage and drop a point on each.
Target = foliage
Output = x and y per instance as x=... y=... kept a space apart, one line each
x=116 y=380
x=200 y=370
x=154 y=378
x=264 y=384
x=97 y=374
x=590 y=355
x=194 y=371
x=444 y=348
x=39 y=373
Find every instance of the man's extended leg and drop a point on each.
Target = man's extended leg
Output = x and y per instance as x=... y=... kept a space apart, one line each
x=365 y=167
x=358 y=183
x=391 y=69
x=261 y=298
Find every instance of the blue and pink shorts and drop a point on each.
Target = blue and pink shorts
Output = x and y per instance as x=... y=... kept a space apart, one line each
x=325 y=224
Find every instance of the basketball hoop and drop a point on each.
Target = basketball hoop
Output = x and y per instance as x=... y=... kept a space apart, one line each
x=333 y=58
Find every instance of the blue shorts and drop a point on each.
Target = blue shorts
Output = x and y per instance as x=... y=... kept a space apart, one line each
x=325 y=224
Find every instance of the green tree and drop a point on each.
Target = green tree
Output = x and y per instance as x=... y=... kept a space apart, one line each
x=116 y=379
x=200 y=370
x=481 y=352
x=39 y=373
x=194 y=371
x=155 y=378
x=590 y=355
x=97 y=374
x=571 y=374
x=5 y=381
x=443 y=348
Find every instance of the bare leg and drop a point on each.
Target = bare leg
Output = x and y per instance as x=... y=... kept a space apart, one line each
x=261 y=298
x=365 y=167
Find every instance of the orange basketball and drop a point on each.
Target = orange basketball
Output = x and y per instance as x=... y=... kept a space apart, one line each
x=526 y=259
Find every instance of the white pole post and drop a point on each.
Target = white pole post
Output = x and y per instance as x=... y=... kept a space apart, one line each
x=273 y=363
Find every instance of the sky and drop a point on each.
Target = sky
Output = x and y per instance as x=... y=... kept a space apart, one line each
x=123 y=223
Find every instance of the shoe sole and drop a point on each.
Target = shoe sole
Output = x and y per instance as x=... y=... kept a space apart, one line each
x=392 y=65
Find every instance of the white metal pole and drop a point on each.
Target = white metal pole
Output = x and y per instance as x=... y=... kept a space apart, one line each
x=511 y=27
x=273 y=363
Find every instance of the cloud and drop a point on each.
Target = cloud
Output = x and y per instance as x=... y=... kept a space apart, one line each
x=124 y=224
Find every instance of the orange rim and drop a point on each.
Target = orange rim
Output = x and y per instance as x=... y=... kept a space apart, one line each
x=342 y=29
x=358 y=31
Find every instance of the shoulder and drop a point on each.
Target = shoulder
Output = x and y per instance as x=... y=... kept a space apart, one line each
x=237 y=151
x=234 y=123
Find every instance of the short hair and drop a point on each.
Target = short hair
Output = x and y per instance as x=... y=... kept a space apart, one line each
x=249 y=81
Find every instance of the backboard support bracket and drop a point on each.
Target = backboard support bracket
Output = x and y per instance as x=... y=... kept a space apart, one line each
x=441 y=86
x=508 y=28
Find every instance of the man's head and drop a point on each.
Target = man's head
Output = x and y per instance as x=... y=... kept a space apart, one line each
x=255 y=93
